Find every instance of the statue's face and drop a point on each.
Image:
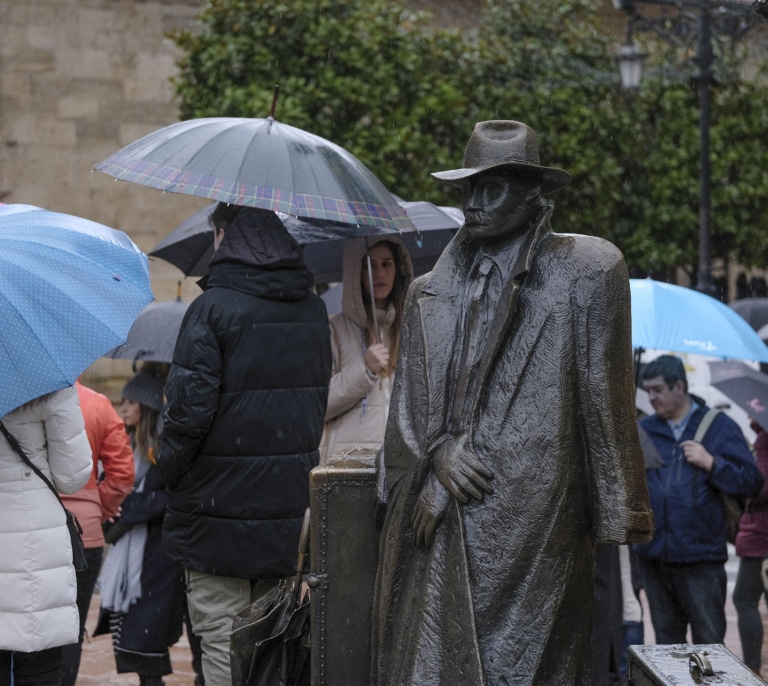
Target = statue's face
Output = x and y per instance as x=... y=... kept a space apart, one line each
x=499 y=205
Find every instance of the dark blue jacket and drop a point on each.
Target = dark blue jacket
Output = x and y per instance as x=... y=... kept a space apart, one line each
x=246 y=404
x=689 y=515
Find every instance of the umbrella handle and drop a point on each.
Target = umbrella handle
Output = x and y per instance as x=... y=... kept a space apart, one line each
x=303 y=543
x=638 y=354
x=274 y=102
x=303 y=552
x=373 y=300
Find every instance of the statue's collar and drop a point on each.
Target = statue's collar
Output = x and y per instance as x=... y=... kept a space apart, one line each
x=463 y=252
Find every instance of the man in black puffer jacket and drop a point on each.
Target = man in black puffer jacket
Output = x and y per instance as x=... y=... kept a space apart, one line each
x=246 y=400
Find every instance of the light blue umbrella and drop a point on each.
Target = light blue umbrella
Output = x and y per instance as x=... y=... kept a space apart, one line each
x=669 y=317
x=69 y=291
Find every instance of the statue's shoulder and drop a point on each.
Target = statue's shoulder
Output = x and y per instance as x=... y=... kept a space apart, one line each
x=418 y=287
x=585 y=252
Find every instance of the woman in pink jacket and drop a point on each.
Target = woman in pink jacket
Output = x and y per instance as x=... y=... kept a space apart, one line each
x=752 y=547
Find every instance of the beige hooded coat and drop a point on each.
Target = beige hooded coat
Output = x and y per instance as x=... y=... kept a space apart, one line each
x=358 y=402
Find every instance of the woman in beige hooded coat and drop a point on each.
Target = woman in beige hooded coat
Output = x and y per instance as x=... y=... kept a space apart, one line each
x=364 y=359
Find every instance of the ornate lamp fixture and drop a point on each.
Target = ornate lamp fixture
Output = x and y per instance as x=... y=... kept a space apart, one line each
x=697 y=26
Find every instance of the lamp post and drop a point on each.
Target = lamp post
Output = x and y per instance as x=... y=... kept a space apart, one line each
x=705 y=21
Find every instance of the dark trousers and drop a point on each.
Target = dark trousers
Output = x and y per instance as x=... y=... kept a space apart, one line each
x=746 y=598
x=41 y=668
x=86 y=581
x=683 y=594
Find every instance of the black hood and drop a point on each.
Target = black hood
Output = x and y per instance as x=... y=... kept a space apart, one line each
x=259 y=257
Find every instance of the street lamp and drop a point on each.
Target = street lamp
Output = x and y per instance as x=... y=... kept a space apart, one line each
x=630 y=59
x=702 y=21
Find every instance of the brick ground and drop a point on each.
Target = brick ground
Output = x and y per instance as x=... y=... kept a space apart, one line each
x=98 y=665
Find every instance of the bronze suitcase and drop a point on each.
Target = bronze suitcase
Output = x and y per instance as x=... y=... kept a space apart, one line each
x=665 y=665
x=343 y=557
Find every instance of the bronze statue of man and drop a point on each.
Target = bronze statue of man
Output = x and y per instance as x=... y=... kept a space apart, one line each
x=511 y=446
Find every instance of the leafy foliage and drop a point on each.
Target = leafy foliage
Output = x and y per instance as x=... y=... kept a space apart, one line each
x=403 y=96
x=362 y=74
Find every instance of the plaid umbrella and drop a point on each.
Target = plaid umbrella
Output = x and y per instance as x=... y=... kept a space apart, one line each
x=259 y=163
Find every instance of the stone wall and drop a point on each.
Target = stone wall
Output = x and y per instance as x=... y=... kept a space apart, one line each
x=79 y=79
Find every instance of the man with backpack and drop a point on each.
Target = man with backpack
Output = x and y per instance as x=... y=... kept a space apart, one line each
x=706 y=461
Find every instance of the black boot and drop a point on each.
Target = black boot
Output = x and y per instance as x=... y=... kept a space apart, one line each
x=150 y=680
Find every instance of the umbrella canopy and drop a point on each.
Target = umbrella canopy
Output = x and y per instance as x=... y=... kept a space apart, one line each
x=69 y=291
x=153 y=335
x=259 y=163
x=745 y=386
x=190 y=245
x=754 y=310
x=669 y=317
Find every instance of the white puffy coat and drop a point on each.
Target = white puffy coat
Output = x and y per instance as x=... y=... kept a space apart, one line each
x=358 y=401
x=37 y=578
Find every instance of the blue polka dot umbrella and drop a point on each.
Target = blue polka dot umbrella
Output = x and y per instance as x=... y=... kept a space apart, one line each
x=69 y=291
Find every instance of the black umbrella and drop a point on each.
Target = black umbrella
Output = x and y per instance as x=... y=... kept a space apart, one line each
x=153 y=335
x=259 y=163
x=269 y=643
x=434 y=227
x=190 y=245
x=745 y=386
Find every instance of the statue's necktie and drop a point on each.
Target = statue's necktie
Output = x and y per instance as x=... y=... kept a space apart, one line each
x=477 y=316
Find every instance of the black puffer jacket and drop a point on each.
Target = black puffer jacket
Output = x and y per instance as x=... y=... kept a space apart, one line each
x=246 y=400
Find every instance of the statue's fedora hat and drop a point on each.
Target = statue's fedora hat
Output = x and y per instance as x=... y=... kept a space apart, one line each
x=499 y=145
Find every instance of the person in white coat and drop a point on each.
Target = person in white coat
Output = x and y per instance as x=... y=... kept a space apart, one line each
x=38 y=612
x=364 y=354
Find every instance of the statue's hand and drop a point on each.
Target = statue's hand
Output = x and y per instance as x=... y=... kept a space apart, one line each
x=431 y=505
x=461 y=471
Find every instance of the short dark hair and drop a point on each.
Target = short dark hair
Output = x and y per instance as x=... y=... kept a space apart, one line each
x=223 y=215
x=669 y=367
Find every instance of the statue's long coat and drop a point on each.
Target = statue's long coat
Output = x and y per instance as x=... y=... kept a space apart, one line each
x=503 y=595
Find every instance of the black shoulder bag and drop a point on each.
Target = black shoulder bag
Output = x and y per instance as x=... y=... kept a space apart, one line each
x=75 y=530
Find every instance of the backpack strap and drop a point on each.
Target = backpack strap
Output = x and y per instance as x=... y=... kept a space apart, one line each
x=706 y=422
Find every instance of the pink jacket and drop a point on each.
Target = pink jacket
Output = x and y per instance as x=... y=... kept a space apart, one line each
x=100 y=500
x=752 y=539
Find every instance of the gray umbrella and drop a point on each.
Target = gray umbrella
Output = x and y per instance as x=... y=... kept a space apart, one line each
x=754 y=310
x=153 y=335
x=745 y=386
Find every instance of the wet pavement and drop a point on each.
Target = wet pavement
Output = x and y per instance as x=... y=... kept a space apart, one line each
x=98 y=664
x=97 y=667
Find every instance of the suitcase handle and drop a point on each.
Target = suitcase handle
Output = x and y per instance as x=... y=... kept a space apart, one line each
x=701 y=662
